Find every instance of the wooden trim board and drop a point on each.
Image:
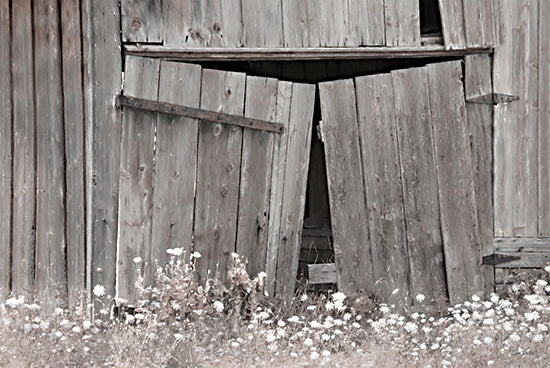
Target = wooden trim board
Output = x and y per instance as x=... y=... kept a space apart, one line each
x=300 y=54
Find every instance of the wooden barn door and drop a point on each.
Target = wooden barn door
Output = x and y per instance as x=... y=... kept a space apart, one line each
x=401 y=185
x=198 y=183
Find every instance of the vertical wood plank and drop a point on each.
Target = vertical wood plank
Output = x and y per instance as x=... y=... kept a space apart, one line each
x=349 y=217
x=335 y=24
x=280 y=148
x=24 y=165
x=516 y=130
x=73 y=111
x=367 y=19
x=211 y=23
x=419 y=181
x=459 y=222
x=382 y=178
x=262 y=23
x=256 y=165
x=218 y=173
x=141 y=20
x=452 y=24
x=175 y=162
x=480 y=128
x=301 y=22
x=544 y=121
x=402 y=22
x=136 y=175
x=478 y=23
x=103 y=65
x=50 y=186
x=295 y=182
x=5 y=148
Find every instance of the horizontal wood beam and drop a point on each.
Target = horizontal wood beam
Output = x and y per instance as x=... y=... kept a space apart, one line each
x=528 y=245
x=297 y=54
x=322 y=273
x=217 y=117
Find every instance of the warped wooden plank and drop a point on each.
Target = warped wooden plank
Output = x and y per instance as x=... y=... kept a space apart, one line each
x=256 y=165
x=452 y=24
x=480 y=127
x=218 y=173
x=402 y=22
x=190 y=23
x=190 y=112
x=544 y=122
x=136 y=176
x=367 y=19
x=262 y=23
x=5 y=148
x=73 y=113
x=294 y=190
x=421 y=202
x=175 y=163
x=534 y=245
x=382 y=180
x=24 y=184
x=349 y=216
x=459 y=221
x=50 y=266
x=280 y=148
x=516 y=156
x=301 y=23
x=141 y=20
x=102 y=57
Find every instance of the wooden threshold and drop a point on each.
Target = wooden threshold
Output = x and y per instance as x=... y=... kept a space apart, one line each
x=297 y=54
x=217 y=117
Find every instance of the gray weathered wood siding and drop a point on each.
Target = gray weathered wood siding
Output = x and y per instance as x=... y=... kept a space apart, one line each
x=216 y=193
x=403 y=168
x=521 y=196
x=303 y=23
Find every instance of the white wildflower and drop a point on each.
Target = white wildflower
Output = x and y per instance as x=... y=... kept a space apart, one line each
x=58 y=311
x=15 y=302
x=384 y=308
x=547 y=268
x=99 y=290
x=77 y=329
x=178 y=336
x=325 y=337
x=538 y=338
x=509 y=311
x=329 y=306
x=303 y=297
x=86 y=324
x=515 y=287
x=314 y=355
x=542 y=283
x=411 y=327
x=308 y=342
x=347 y=316
x=533 y=299
x=488 y=321
x=508 y=326
x=195 y=255
x=325 y=353
x=477 y=342
x=58 y=333
x=515 y=337
x=475 y=298
x=218 y=306
x=423 y=346
x=542 y=327
x=490 y=362
x=270 y=337
x=294 y=319
x=533 y=316
x=434 y=346
x=281 y=324
x=137 y=260
x=311 y=307
x=420 y=298
x=488 y=340
x=494 y=298
x=395 y=292
x=487 y=304
x=356 y=325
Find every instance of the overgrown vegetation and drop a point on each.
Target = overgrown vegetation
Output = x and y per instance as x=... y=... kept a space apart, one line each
x=180 y=323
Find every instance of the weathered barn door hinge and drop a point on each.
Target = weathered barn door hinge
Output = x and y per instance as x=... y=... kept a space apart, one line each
x=496 y=259
x=492 y=99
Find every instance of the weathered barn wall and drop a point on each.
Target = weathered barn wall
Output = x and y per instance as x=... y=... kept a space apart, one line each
x=304 y=23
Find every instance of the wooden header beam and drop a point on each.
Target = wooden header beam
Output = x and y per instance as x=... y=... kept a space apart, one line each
x=297 y=54
x=217 y=117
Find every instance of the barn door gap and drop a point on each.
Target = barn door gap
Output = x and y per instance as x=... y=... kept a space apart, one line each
x=430 y=22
